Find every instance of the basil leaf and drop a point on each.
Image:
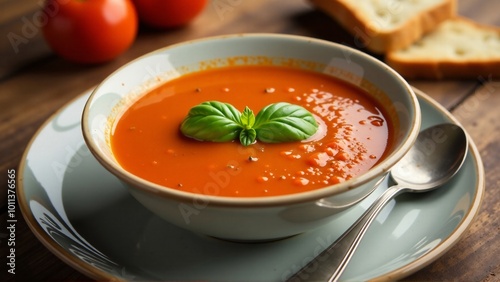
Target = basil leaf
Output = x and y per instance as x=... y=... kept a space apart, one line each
x=247 y=118
x=212 y=121
x=284 y=122
x=221 y=122
x=247 y=136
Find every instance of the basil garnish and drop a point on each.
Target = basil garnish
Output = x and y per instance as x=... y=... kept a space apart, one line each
x=221 y=122
x=284 y=122
x=212 y=121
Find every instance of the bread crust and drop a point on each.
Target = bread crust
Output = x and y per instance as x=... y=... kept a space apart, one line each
x=417 y=68
x=447 y=70
x=379 y=41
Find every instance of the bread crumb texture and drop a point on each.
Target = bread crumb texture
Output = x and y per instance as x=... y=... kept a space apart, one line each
x=383 y=15
x=455 y=40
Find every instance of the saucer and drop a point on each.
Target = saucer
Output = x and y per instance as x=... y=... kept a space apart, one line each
x=86 y=217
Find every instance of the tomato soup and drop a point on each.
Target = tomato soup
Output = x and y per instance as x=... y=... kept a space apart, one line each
x=354 y=134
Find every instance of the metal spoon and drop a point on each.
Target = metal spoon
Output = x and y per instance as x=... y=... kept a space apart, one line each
x=436 y=157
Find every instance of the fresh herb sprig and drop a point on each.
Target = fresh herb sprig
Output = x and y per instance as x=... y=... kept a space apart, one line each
x=221 y=122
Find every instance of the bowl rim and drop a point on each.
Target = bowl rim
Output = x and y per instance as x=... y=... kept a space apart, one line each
x=141 y=184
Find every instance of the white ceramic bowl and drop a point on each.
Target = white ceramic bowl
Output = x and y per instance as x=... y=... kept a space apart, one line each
x=250 y=219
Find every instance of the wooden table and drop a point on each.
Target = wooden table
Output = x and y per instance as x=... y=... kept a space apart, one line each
x=34 y=83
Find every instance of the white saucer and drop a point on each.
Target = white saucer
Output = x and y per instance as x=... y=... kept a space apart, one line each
x=86 y=217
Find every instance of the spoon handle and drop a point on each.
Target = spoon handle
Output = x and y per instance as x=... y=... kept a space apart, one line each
x=331 y=263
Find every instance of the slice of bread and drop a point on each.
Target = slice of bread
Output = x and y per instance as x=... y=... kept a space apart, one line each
x=381 y=26
x=458 y=48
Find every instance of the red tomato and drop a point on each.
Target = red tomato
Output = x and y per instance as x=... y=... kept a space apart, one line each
x=92 y=31
x=168 y=13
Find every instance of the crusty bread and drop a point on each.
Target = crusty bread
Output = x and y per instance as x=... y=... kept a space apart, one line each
x=457 y=48
x=381 y=25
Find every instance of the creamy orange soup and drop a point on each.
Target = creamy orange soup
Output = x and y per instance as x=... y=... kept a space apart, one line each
x=353 y=135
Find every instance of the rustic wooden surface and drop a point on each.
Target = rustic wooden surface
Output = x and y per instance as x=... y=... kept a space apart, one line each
x=34 y=83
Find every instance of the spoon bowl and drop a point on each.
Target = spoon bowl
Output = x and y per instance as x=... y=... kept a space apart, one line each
x=436 y=157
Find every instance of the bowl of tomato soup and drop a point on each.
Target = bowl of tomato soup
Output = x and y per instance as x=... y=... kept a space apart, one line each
x=251 y=137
